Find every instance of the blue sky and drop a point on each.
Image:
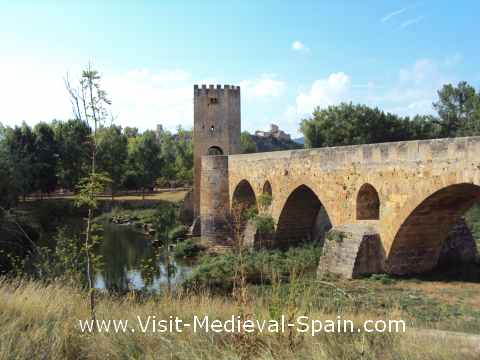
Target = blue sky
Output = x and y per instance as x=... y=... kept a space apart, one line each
x=288 y=56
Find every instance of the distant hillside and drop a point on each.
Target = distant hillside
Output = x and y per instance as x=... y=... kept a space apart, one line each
x=264 y=144
x=300 y=140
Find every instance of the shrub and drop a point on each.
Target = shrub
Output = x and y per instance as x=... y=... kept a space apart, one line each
x=187 y=249
x=217 y=272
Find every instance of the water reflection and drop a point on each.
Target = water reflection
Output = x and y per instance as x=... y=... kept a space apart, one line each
x=131 y=262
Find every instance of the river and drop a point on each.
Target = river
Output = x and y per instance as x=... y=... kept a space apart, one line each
x=131 y=262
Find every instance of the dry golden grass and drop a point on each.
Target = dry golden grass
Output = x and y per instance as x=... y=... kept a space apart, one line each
x=41 y=321
x=447 y=292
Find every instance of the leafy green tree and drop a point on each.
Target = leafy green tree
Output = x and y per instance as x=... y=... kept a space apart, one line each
x=247 y=145
x=8 y=188
x=144 y=160
x=45 y=159
x=457 y=107
x=348 y=124
x=112 y=153
x=168 y=157
x=183 y=155
x=130 y=132
x=73 y=145
x=423 y=127
x=20 y=148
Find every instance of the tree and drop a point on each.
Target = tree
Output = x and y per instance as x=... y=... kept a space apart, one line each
x=73 y=146
x=45 y=158
x=183 y=155
x=20 y=148
x=168 y=157
x=90 y=106
x=348 y=124
x=144 y=159
x=112 y=154
x=423 y=127
x=247 y=145
x=8 y=188
x=457 y=107
x=130 y=131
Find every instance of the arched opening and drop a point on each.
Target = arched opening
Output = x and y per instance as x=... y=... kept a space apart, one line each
x=267 y=188
x=368 y=203
x=215 y=150
x=303 y=219
x=244 y=204
x=418 y=243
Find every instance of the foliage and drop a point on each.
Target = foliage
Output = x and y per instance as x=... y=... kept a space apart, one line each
x=165 y=221
x=348 y=124
x=177 y=232
x=335 y=235
x=45 y=158
x=247 y=145
x=187 y=249
x=264 y=223
x=112 y=154
x=458 y=109
x=72 y=139
x=264 y=201
x=143 y=160
x=66 y=260
x=218 y=272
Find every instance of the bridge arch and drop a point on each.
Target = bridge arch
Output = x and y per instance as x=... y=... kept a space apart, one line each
x=243 y=198
x=417 y=244
x=368 y=203
x=303 y=218
x=267 y=188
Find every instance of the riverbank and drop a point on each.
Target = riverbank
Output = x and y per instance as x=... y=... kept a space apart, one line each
x=48 y=317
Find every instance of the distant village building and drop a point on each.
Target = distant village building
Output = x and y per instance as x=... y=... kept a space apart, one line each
x=274 y=132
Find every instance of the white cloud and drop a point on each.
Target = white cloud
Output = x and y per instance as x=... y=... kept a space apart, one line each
x=143 y=98
x=415 y=89
x=299 y=46
x=410 y=22
x=392 y=14
x=324 y=92
x=265 y=86
x=31 y=92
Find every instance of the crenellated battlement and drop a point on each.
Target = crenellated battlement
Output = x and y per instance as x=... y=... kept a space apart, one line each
x=206 y=89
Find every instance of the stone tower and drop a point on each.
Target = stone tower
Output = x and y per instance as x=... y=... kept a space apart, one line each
x=216 y=128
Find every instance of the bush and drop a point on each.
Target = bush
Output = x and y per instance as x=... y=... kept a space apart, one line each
x=218 y=272
x=178 y=232
x=187 y=249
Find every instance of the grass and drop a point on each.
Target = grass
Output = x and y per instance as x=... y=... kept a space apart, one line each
x=173 y=196
x=41 y=321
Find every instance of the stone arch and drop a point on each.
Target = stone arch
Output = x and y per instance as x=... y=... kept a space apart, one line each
x=243 y=198
x=267 y=188
x=417 y=244
x=302 y=219
x=368 y=203
x=215 y=150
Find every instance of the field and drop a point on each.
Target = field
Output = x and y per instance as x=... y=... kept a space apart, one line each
x=47 y=318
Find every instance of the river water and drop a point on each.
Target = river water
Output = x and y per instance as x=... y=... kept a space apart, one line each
x=131 y=262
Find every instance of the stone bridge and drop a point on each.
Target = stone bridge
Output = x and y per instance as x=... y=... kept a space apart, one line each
x=391 y=205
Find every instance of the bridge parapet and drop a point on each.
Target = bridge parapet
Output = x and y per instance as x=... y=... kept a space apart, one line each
x=374 y=154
